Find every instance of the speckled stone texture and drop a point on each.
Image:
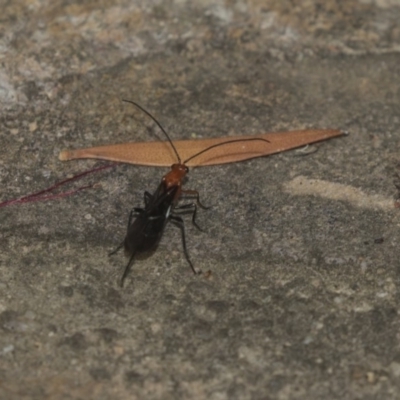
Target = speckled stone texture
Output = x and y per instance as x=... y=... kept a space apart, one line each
x=302 y=301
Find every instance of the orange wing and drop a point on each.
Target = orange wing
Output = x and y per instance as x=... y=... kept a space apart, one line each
x=160 y=154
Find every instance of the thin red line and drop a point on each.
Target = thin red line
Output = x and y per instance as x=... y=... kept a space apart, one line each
x=37 y=196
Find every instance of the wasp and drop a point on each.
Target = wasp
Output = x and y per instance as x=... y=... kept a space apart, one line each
x=146 y=225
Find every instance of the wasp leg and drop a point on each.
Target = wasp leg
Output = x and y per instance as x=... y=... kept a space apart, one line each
x=178 y=221
x=127 y=269
x=147 y=198
x=196 y=195
x=117 y=249
x=185 y=207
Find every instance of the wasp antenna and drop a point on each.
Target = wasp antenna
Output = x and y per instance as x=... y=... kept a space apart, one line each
x=158 y=124
x=222 y=144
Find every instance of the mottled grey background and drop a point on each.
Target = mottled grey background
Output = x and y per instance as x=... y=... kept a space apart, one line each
x=302 y=301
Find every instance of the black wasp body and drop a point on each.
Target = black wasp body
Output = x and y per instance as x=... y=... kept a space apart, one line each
x=145 y=231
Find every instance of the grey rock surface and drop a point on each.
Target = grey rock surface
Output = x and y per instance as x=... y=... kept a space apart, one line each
x=302 y=301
